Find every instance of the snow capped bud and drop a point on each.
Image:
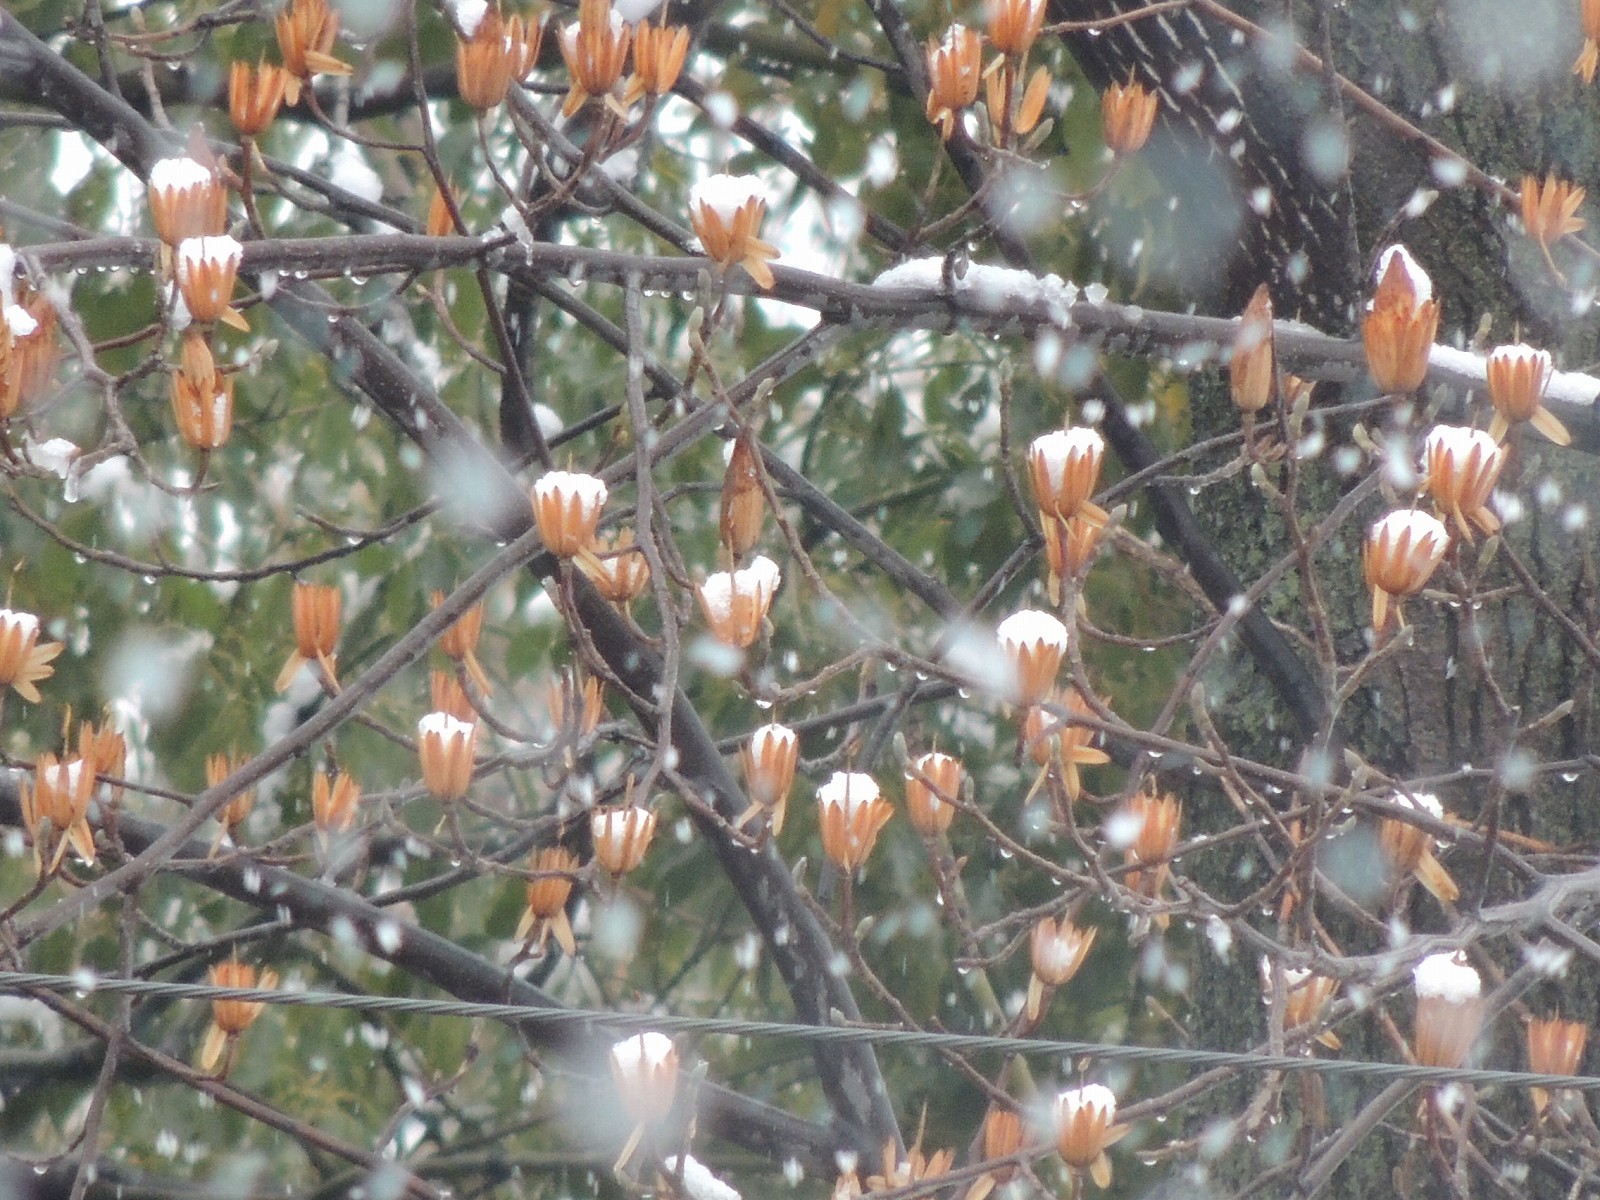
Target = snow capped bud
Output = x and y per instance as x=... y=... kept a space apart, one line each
x=621 y=836
x=553 y=869
x=317 y=609
x=852 y=813
x=617 y=568
x=737 y=602
x=202 y=397
x=460 y=642
x=1014 y=25
x=497 y=53
x=1462 y=466
x=1056 y=949
x=447 y=748
x=1518 y=376
x=206 y=269
x=645 y=1068
x=769 y=765
x=230 y=1018
x=1549 y=208
x=1064 y=468
x=566 y=506
x=29 y=351
x=1153 y=823
x=1401 y=322
x=658 y=54
x=187 y=200
x=955 y=66
x=744 y=507
x=1082 y=1118
x=1251 y=371
x=255 y=94
x=56 y=811
x=233 y=813
x=1410 y=850
x=1449 y=1010
x=931 y=788
x=1555 y=1047
x=1305 y=996
x=595 y=48
x=1033 y=643
x=1127 y=114
x=23 y=660
x=726 y=212
x=306 y=33
x=1399 y=557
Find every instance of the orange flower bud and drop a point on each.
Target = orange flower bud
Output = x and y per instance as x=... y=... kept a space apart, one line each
x=23 y=660
x=230 y=1018
x=306 y=33
x=460 y=642
x=1033 y=643
x=1401 y=322
x=546 y=914
x=28 y=350
x=726 y=212
x=645 y=1068
x=333 y=803
x=1056 y=950
x=316 y=610
x=1052 y=737
x=595 y=48
x=1462 y=466
x=106 y=752
x=931 y=787
x=567 y=507
x=769 y=764
x=1549 y=208
x=1083 y=1119
x=1064 y=468
x=618 y=569
x=446 y=695
x=254 y=96
x=955 y=66
x=1410 y=850
x=1127 y=114
x=1518 y=376
x=1305 y=996
x=621 y=836
x=187 y=200
x=658 y=54
x=233 y=813
x=447 y=748
x=743 y=505
x=852 y=813
x=440 y=223
x=1449 y=1010
x=1146 y=830
x=1014 y=25
x=1251 y=371
x=495 y=55
x=737 y=602
x=1002 y=1137
x=1399 y=557
x=202 y=397
x=1555 y=1047
x=1069 y=546
x=1589 y=57
x=206 y=268
x=56 y=810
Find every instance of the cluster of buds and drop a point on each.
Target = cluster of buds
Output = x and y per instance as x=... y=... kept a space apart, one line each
x=202 y=396
x=1410 y=850
x=496 y=53
x=851 y=813
x=553 y=871
x=769 y=762
x=1449 y=1010
x=621 y=836
x=1401 y=322
x=24 y=659
x=1305 y=995
x=1056 y=949
x=744 y=506
x=736 y=603
x=1013 y=27
x=1127 y=115
x=1549 y=209
x=316 y=608
x=1518 y=376
x=255 y=94
x=307 y=30
x=187 y=200
x=1063 y=471
x=1083 y=1120
x=1033 y=643
x=1400 y=554
x=567 y=507
x=333 y=805
x=1589 y=56
x=1146 y=830
x=55 y=810
x=230 y=1018
x=1460 y=468
x=232 y=814
x=206 y=269
x=28 y=348
x=1555 y=1047
x=618 y=569
x=1055 y=740
x=447 y=749
x=726 y=212
x=460 y=643
x=932 y=784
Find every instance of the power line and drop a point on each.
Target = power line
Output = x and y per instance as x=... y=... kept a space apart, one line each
x=85 y=983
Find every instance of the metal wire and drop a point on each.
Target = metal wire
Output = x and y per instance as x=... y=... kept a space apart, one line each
x=86 y=983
